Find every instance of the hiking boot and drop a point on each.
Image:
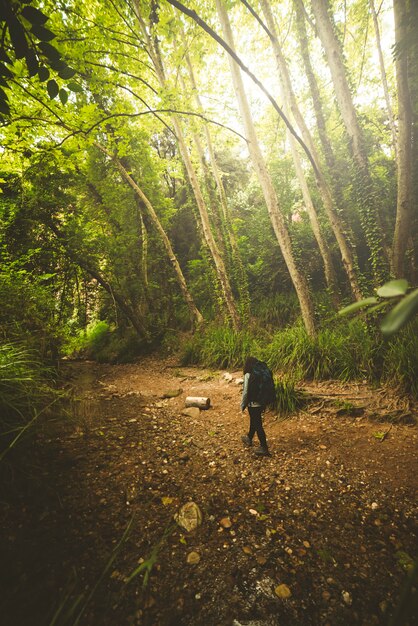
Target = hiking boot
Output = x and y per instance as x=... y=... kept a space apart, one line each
x=246 y=440
x=262 y=451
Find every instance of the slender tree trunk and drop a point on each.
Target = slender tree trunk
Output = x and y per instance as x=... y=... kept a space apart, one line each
x=237 y=264
x=383 y=76
x=313 y=85
x=221 y=272
x=266 y=184
x=369 y=215
x=291 y=104
x=195 y=314
x=405 y=181
x=329 y=269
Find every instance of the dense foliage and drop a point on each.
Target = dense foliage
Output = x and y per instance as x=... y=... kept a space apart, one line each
x=134 y=208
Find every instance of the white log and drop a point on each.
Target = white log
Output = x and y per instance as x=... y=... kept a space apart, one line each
x=201 y=403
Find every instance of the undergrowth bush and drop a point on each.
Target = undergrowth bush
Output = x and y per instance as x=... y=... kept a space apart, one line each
x=342 y=352
x=277 y=311
x=103 y=343
x=26 y=389
x=219 y=346
x=400 y=362
x=288 y=398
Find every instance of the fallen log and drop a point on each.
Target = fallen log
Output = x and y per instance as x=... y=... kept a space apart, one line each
x=201 y=403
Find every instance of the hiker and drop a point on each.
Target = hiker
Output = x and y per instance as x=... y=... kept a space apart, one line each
x=256 y=404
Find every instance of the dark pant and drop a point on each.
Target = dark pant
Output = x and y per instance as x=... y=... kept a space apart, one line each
x=256 y=424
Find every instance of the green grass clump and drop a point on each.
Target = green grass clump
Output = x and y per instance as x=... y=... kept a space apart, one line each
x=105 y=344
x=26 y=391
x=288 y=398
x=219 y=346
x=340 y=352
x=23 y=385
x=400 y=361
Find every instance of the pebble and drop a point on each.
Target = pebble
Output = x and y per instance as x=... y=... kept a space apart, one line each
x=346 y=596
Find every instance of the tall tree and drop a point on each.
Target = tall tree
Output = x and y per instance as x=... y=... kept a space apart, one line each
x=404 y=210
x=276 y=217
x=195 y=314
x=228 y=232
x=221 y=272
x=389 y=109
x=368 y=211
x=289 y=97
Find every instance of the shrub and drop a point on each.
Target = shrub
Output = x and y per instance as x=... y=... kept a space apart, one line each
x=219 y=346
x=26 y=389
x=105 y=344
x=344 y=352
x=400 y=362
x=288 y=398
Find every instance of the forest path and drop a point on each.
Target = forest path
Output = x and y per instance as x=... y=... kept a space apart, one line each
x=319 y=533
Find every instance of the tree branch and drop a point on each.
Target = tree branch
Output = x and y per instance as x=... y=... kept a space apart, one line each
x=245 y=69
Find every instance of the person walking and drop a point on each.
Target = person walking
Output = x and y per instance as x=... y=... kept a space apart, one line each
x=252 y=401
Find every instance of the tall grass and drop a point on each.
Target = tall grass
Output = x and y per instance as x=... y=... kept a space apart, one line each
x=25 y=390
x=341 y=352
x=288 y=398
x=349 y=351
x=400 y=361
x=22 y=381
x=219 y=346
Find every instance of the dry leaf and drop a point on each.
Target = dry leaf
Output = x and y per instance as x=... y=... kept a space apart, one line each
x=193 y=558
x=282 y=591
x=189 y=516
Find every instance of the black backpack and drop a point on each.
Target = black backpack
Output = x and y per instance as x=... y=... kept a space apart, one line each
x=261 y=387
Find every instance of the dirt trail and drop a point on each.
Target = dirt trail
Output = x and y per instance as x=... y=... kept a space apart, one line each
x=322 y=532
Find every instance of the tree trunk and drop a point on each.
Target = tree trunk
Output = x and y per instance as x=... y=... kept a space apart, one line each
x=195 y=314
x=222 y=275
x=313 y=85
x=369 y=215
x=384 y=79
x=329 y=269
x=279 y=226
x=291 y=104
x=289 y=99
x=405 y=181
x=237 y=264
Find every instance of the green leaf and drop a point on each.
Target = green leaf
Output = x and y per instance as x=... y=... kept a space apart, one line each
x=42 y=33
x=400 y=314
x=75 y=87
x=49 y=51
x=52 y=88
x=43 y=73
x=393 y=288
x=404 y=560
x=18 y=37
x=63 y=96
x=58 y=65
x=66 y=73
x=358 y=305
x=32 y=63
x=34 y=16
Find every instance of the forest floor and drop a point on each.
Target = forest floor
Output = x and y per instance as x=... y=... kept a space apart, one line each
x=323 y=532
